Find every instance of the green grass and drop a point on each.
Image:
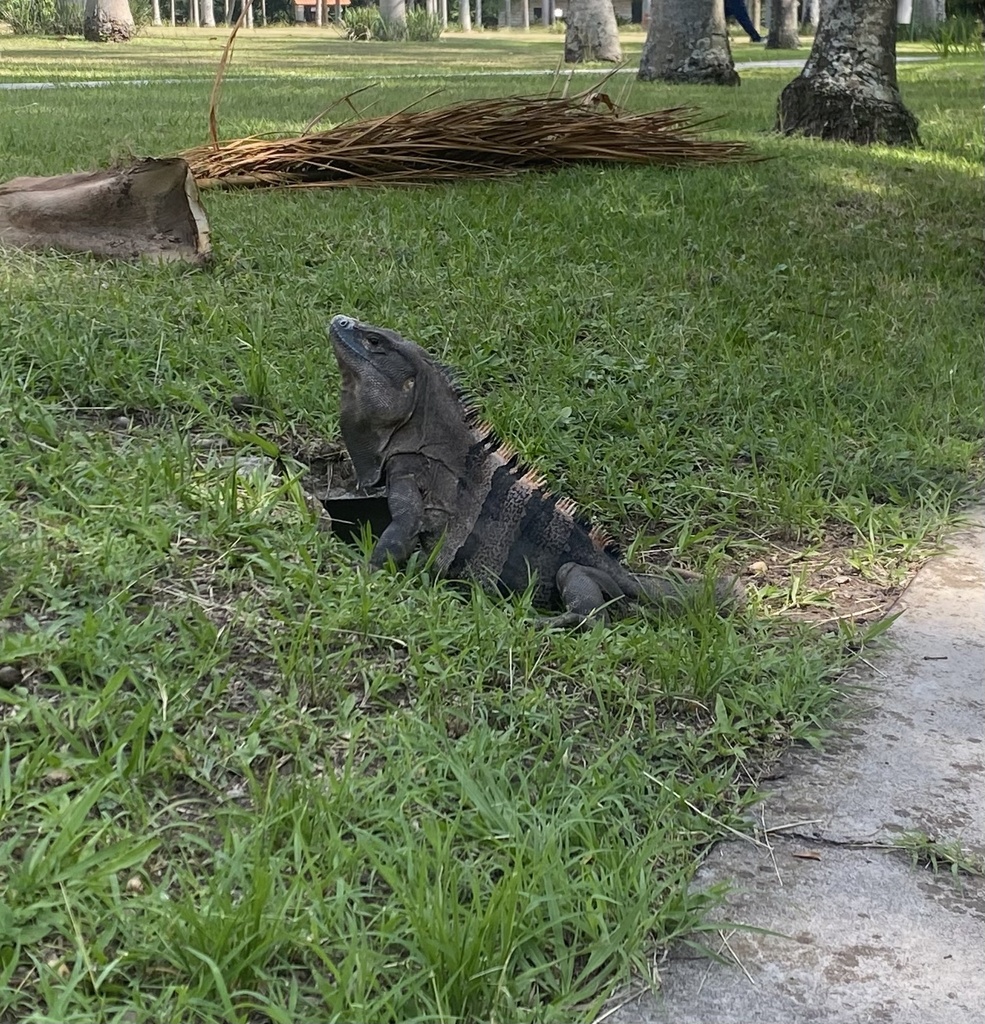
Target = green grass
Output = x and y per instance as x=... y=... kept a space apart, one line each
x=310 y=54
x=938 y=854
x=242 y=778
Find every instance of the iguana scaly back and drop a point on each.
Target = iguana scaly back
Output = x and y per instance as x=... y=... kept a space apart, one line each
x=452 y=485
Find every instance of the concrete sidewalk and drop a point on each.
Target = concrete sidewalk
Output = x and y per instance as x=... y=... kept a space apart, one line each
x=863 y=935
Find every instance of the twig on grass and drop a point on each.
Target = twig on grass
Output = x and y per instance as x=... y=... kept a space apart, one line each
x=735 y=956
x=703 y=814
x=618 y=1006
x=769 y=845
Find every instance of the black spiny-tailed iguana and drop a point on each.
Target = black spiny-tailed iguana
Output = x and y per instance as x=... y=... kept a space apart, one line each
x=453 y=485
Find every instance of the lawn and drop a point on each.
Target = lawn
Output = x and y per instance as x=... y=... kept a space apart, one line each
x=242 y=778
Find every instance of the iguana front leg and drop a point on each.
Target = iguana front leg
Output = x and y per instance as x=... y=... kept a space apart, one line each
x=400 y=538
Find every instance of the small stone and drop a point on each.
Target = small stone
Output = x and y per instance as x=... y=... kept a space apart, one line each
x=10 y=676
x=120 y=423
x=243 y=403
x=58 y=965
x=57 y=776
x=759 y=568
x=135 y=884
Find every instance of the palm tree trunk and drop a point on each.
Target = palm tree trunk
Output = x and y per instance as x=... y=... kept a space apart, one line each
x=811 y=13
x=783 y=26
x=108 y=21
x=591 y=32
x=393 y=12
x=687 y=42
x=847 y=89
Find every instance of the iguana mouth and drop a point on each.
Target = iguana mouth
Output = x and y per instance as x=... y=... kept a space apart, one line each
x=342 y=332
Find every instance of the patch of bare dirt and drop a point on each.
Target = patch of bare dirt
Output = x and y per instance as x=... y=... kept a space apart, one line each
x=820 y=584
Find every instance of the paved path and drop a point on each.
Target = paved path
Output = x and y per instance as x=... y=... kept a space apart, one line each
x=863 y=935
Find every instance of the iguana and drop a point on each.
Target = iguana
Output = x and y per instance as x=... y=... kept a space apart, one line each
x=452 y=485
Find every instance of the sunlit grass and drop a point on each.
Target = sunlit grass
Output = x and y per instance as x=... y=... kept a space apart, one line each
x=244 y=779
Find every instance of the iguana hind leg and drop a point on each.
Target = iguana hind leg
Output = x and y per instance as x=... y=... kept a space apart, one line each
x=585 y=592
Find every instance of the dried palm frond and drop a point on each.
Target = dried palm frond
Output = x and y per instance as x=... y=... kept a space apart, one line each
x=474 y=139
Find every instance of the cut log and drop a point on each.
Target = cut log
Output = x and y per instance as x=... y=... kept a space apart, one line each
x=151 y=209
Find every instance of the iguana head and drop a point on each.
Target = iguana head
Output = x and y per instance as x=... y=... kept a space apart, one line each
x=395 y=399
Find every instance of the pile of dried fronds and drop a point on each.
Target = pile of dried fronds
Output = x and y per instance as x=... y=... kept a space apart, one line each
x=479 y=139
x=476 y=139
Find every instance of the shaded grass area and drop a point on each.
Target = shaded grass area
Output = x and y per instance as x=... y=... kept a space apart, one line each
x=241 y=778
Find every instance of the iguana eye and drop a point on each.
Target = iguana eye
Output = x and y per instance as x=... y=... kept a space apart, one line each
x=373 y=340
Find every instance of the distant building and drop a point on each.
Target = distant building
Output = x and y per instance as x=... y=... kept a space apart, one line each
x=305 y=10
x=627 y=11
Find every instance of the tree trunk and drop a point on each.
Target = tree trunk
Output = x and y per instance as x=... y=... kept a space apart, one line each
x=465 y=15
x=338 y=12
x=193 y=13
x=478 y=14
x=208 y=13
x=444 y=13
x=108 y=21
x=591 y=32
x=152 y=209
x=545 y=12
x=227 y=10
x=847 y=90
x=687 y=42
x=783 y=26
x=173 y=19
x=811 y=13
x=249 y=15
x=155 y=19
x=526 y=14
x=928 y=13
x=508 y=14
x=393 y=12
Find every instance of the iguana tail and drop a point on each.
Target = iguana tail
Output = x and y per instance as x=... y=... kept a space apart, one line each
x=674 y=589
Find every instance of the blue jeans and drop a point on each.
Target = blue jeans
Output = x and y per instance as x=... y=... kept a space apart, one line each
x=737 y=9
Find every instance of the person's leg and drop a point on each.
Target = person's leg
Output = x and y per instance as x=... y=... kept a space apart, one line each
x=737 y=9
